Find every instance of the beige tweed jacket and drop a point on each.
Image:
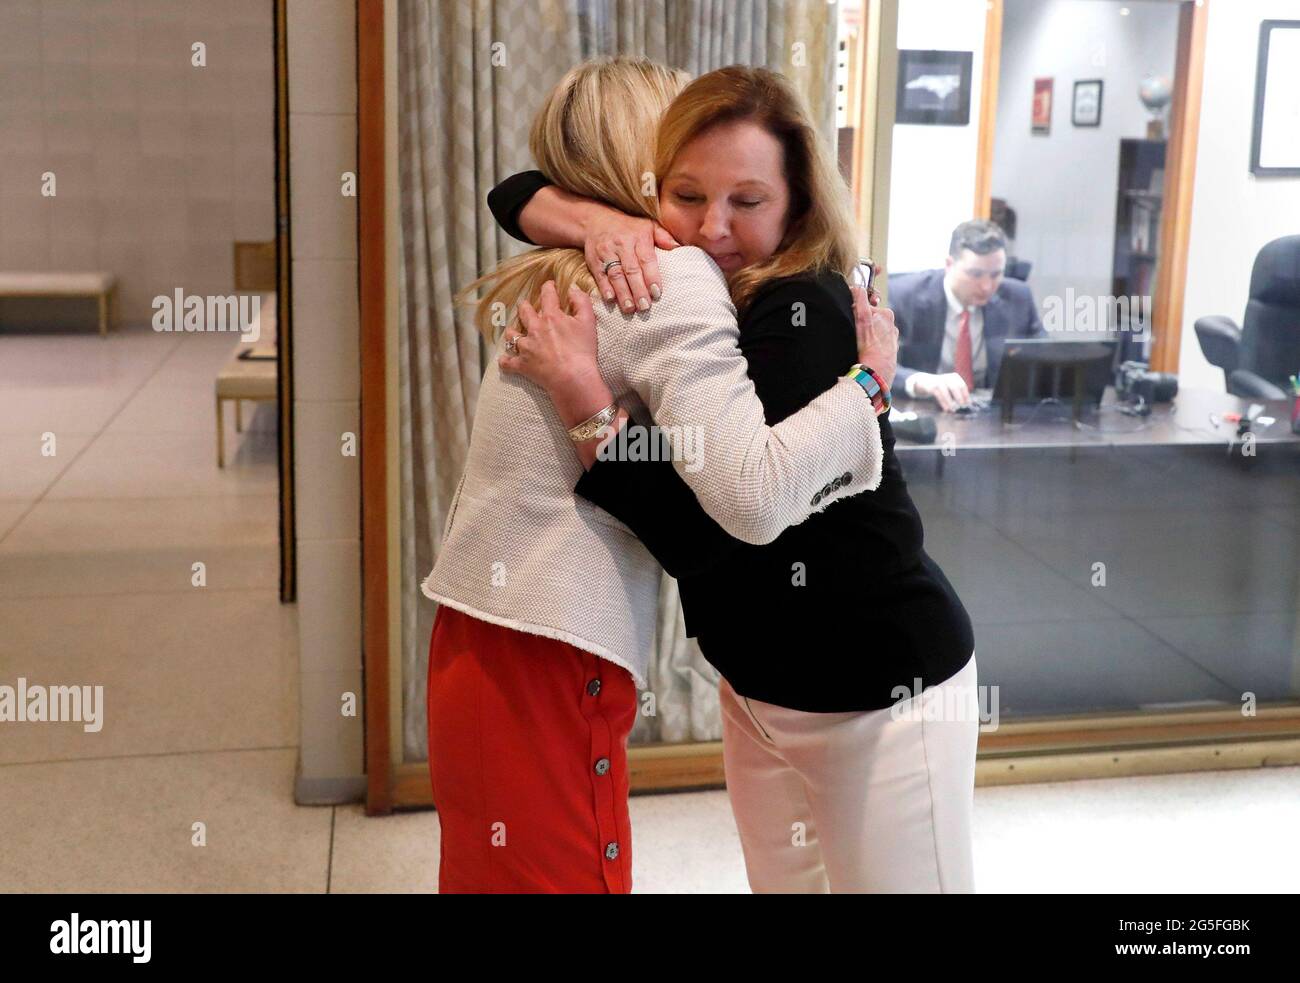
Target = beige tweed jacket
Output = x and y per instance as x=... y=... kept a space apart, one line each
x=520 y=549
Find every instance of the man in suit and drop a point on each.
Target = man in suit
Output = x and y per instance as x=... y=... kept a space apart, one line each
x=953 y=323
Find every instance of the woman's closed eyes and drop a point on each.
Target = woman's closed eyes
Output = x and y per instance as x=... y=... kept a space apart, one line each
x=738 y=202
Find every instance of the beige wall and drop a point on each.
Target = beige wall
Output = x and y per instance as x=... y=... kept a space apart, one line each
x=159 y=165
x=321 y=37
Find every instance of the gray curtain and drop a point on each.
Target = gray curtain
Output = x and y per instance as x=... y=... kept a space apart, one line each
x=471 y=74
x=795 y=37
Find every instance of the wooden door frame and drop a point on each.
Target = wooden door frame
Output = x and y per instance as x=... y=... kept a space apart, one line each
x=872 y=112
x=988 y=109
x=372 y=286
x=1038 y=749
x=1180 y=167
x=284 y=315
x=1180 y=177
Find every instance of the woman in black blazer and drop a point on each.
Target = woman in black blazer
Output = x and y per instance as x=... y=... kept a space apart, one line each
x=834 y=636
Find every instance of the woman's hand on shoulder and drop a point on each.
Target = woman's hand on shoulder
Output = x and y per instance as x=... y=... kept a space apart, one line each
x=876 y=333
x=557 y=350
x=633 y=281
x=554 y=348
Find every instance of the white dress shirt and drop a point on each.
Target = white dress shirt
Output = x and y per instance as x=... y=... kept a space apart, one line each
x=951 y=325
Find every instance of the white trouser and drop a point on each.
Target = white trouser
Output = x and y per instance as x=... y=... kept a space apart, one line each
x=856 y=802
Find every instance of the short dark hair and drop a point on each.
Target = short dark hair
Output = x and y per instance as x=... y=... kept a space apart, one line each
x=979 y=235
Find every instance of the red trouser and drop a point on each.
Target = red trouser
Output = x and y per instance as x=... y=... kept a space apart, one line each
x=528 y=756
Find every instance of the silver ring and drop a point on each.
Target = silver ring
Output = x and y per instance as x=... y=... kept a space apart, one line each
x=511 y=347
x=608 y=263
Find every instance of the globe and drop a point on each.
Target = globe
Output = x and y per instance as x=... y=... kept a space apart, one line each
x=1155 y=92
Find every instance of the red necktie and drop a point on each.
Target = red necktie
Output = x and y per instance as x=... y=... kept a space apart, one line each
x=961 y=360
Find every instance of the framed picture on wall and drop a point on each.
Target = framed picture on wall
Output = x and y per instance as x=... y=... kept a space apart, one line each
x=934 y=88
x=1087 y=103
x=1042 y=109
x=1275 y=143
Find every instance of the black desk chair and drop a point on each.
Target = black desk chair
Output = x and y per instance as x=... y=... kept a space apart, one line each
x=1257 y=357
x=1018 y=269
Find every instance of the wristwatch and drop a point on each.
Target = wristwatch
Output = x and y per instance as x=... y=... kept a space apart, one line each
x=869 y=380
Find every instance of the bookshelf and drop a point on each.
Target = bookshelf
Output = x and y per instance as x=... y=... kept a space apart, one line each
x=1138 y=202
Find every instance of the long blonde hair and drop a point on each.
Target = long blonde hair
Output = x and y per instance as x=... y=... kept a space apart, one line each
x=591 y=137
x=820 y=233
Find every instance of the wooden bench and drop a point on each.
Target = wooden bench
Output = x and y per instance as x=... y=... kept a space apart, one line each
x=99 y=285
x=243 y=378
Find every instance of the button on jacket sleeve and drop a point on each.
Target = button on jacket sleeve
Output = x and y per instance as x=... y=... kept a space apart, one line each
x=682 y=359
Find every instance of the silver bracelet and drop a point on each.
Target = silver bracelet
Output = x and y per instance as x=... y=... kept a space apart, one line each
x=593 y=425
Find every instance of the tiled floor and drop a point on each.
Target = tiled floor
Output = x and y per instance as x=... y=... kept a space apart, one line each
x=125 y=824
x=97 y=544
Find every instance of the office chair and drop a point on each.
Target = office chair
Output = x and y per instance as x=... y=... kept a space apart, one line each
x=1257 y=357
x=1018 y=269
x=1005 y=217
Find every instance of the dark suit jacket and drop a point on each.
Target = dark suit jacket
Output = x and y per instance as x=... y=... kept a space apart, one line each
x=921 y=308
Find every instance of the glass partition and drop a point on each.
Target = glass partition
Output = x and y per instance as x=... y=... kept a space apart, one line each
x=1123 y=542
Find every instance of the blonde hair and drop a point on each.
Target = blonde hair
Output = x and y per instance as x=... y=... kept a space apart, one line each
x=820 y=232
x=591 y=137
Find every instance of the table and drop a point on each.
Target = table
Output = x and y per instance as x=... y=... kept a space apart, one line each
x=243 y=378
x=1186 y=421
x=1127 y=564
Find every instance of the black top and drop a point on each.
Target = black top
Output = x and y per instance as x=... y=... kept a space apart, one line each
x=509 y=197
x=838 y=610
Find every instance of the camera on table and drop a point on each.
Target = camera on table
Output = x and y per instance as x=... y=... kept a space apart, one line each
x=1136 y=383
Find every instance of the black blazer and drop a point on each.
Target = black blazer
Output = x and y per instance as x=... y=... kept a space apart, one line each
x=837 y=611
x=921 y=309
